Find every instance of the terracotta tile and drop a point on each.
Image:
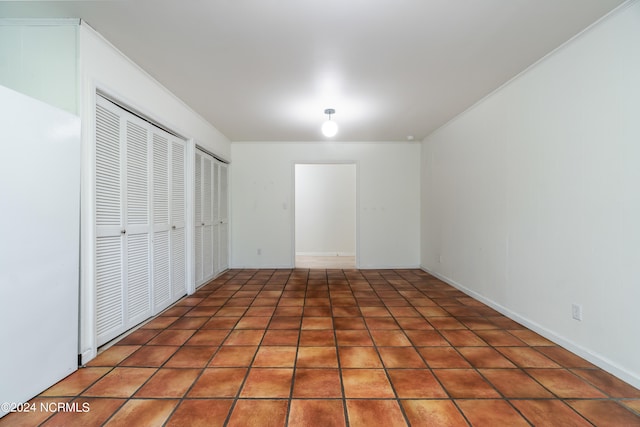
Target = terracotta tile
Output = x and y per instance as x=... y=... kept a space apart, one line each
x=169 y=383
x=564 y=384
x=417 y=323
x=260 y=311
x=366 y=383
x=237 y=302
x=265 y=302
x=349 y=323
x=171 y=337
x=244 y=337
x=317 y=323
x=288 y=311
x=500 y=338
x=462 y=338
x=465 y=383
x=120 y=382
x=429 y=312
x=374 y=312
x=375 y=413
x=359 y=357
x=445 y=323
x=344 y=302
x=605 y=413
x=443 y=357
x=31 y=418
x=113 y=355
x=484 y=357
x=176 y=311
x=549 y=413
x=139 y=337
x=515 y=383
x=189 y=323
x=98 y=411
x=150 y=356
x=75 y=383
x=221 y=323
x=317 y=357
x=316 y=413
x=291 y=302
x=208 y=337
x=317 y=383
x=200 y=413
x=401 y=357
x=526 y=357
x=143 y=412
x=268 y=382
x=634 y=405
x=490 y=413
x=233 y=356
x=317 y=338
x=231 y=311
x=191 y=357
x=280 y=337
x=346 y=312
x=415 y=383
x=381 y=323
x=531 y=338
x=442 y=413
x=275 y=357
x=253 y=322
x=285 y=322
x=317 y=312
x=390 y=338
x=353 y=338
x=426 y=338
x=564 y=358
x=218 y=382
x=262 y=412
x=160 y=322
x=609 y=384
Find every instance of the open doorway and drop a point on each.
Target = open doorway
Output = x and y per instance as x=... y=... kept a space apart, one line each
x=325 y=215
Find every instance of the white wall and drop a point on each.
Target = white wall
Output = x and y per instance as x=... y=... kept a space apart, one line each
x=262 y=188
x=325 y=209
x=531 y=201
x=40 y=58
x=104 y=68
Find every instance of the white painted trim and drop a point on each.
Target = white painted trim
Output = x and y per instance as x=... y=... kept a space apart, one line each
x=40 y=22
x=586 y=354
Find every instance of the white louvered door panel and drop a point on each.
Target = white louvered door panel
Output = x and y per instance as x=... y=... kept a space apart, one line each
x=207 y=218
x=138 y=283
x=110 y=298
x=223 y=221
x=216 y=216
x=199 y=275
x=161 y=239
x=178 y=217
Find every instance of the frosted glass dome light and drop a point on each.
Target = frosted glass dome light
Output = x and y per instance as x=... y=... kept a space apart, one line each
x=329 y=128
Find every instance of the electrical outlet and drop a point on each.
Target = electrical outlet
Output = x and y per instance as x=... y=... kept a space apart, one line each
x=576 y=311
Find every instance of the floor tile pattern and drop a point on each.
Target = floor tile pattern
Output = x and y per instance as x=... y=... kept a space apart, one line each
x=330 y=347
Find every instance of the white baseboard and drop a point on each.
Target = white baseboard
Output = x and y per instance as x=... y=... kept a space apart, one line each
x=595 y=358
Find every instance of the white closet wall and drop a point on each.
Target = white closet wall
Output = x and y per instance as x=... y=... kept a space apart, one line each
x=140 y=220
x=211 y=217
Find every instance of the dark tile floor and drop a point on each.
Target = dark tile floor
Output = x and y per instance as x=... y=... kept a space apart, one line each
x=336 y=348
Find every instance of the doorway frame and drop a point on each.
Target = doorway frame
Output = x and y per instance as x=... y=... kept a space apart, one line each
x=356 y=164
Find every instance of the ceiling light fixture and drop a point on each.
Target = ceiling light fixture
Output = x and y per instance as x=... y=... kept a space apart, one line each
x=329 y=128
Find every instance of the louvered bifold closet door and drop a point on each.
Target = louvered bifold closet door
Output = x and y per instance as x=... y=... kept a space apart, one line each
x=199 y=225
x=162 y=295
x=138 y=229
x=216 y=216
x=109 y=278
x=223 y=219
x=207 y=218
x=178 y=219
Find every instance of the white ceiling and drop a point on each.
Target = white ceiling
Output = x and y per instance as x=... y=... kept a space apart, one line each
x=265 y=70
